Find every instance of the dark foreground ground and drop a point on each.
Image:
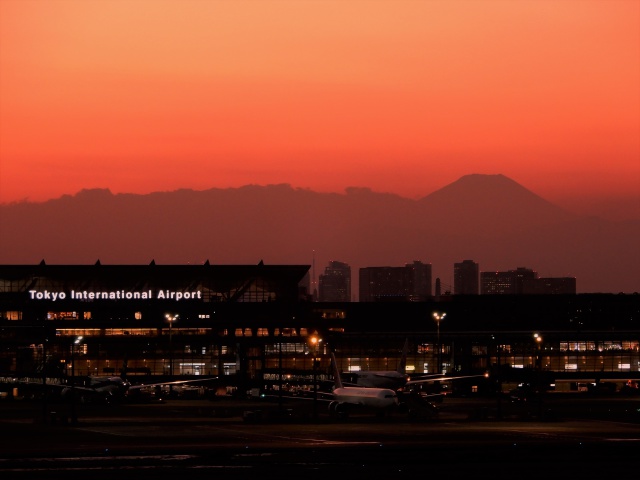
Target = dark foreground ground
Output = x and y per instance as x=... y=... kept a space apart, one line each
x=562 y=437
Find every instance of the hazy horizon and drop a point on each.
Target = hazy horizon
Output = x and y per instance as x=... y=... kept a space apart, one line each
x=612 y=209
x=405 y=97
x=490 y=219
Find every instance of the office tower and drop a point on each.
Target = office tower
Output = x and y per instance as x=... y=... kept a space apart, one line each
x=550 y=286
x=522 y=275
x=511 y=282
x=466 y=276
x=418 y=281
x=334 y=285
x=409 y=283
x=381 y=284
x=497 y=283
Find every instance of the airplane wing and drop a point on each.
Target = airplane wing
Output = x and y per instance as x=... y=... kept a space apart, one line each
x=52 y=383
x=172 y=382
x=80 y=386
x=442 y=378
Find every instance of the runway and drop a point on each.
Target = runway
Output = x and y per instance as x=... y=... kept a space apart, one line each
x=201 y=438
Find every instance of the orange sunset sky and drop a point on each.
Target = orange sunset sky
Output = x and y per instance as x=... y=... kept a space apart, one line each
x=398 y=96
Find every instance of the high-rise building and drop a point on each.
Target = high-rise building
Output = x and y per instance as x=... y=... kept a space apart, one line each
x=522 y=275
x=334 y=285
x=524 y=281
x=466 y=278
x=550 y=286
x=506 y=283
x=381 y=284
x=497 y=283
x=409 y=283
x=418 y=280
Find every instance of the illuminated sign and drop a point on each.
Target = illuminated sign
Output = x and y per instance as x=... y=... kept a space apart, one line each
x=53 y=296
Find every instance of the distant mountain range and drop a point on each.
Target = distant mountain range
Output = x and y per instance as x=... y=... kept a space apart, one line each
x=486 y=218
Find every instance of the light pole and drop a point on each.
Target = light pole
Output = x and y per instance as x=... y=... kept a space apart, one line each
x=538 y=340
x=74 y=416
x=170 y=318
x=315 y=344
x=498 y=379
x=44 y=376
x=280 y=370
x=538 y=366
x=438 y=317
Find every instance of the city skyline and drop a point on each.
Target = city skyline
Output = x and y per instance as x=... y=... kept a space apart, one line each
x=413 y=282
x=399 y=97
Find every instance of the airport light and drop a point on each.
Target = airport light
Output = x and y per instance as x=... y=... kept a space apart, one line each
x=498 y=378
x=315 y=345
x=438 y=317
x=44 y=376
x=280 y=370
x=74 y=416
x=538 y=339
x=170 y=319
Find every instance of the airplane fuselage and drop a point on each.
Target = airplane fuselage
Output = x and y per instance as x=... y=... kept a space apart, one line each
x=381 y=379
x=376 y=398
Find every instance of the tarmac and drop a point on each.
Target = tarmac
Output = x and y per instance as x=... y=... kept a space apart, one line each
x=475 y=438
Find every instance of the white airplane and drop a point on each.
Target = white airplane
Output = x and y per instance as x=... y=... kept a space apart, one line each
x=397 y=379
x=115 y=389
x=107 y=390
x=345 y=399
x=392 y=379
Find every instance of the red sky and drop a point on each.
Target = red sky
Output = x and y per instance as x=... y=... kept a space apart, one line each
x=398 y=96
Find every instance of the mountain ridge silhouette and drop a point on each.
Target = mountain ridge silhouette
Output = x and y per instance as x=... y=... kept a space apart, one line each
x=490 y=219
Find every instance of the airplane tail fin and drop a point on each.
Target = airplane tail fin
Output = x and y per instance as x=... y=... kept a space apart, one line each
x=336 y=372
x=402 y=366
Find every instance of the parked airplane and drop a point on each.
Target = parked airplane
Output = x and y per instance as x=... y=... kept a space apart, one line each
x=392 y=379
x=379 y=400
x=118 y=389
x=397 y=379
x=106 y=389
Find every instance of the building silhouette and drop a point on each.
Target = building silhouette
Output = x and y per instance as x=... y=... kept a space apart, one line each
x=524 y=281
x=409 y=283
x=550 y=286
x=334 y=285
x=418 y=281
x=510 y=282
x=466 y=278
x=250 y=325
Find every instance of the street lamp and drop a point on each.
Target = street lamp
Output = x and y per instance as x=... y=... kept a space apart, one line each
x=74 y=416
x=538 y=340
x=498 y=377
x=315 y=344
x=438 y=317
x=171 y=318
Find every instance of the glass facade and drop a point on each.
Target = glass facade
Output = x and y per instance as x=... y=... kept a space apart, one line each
x=264 y=326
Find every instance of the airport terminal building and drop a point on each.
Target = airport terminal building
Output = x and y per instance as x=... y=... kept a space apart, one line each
x=253 y=325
